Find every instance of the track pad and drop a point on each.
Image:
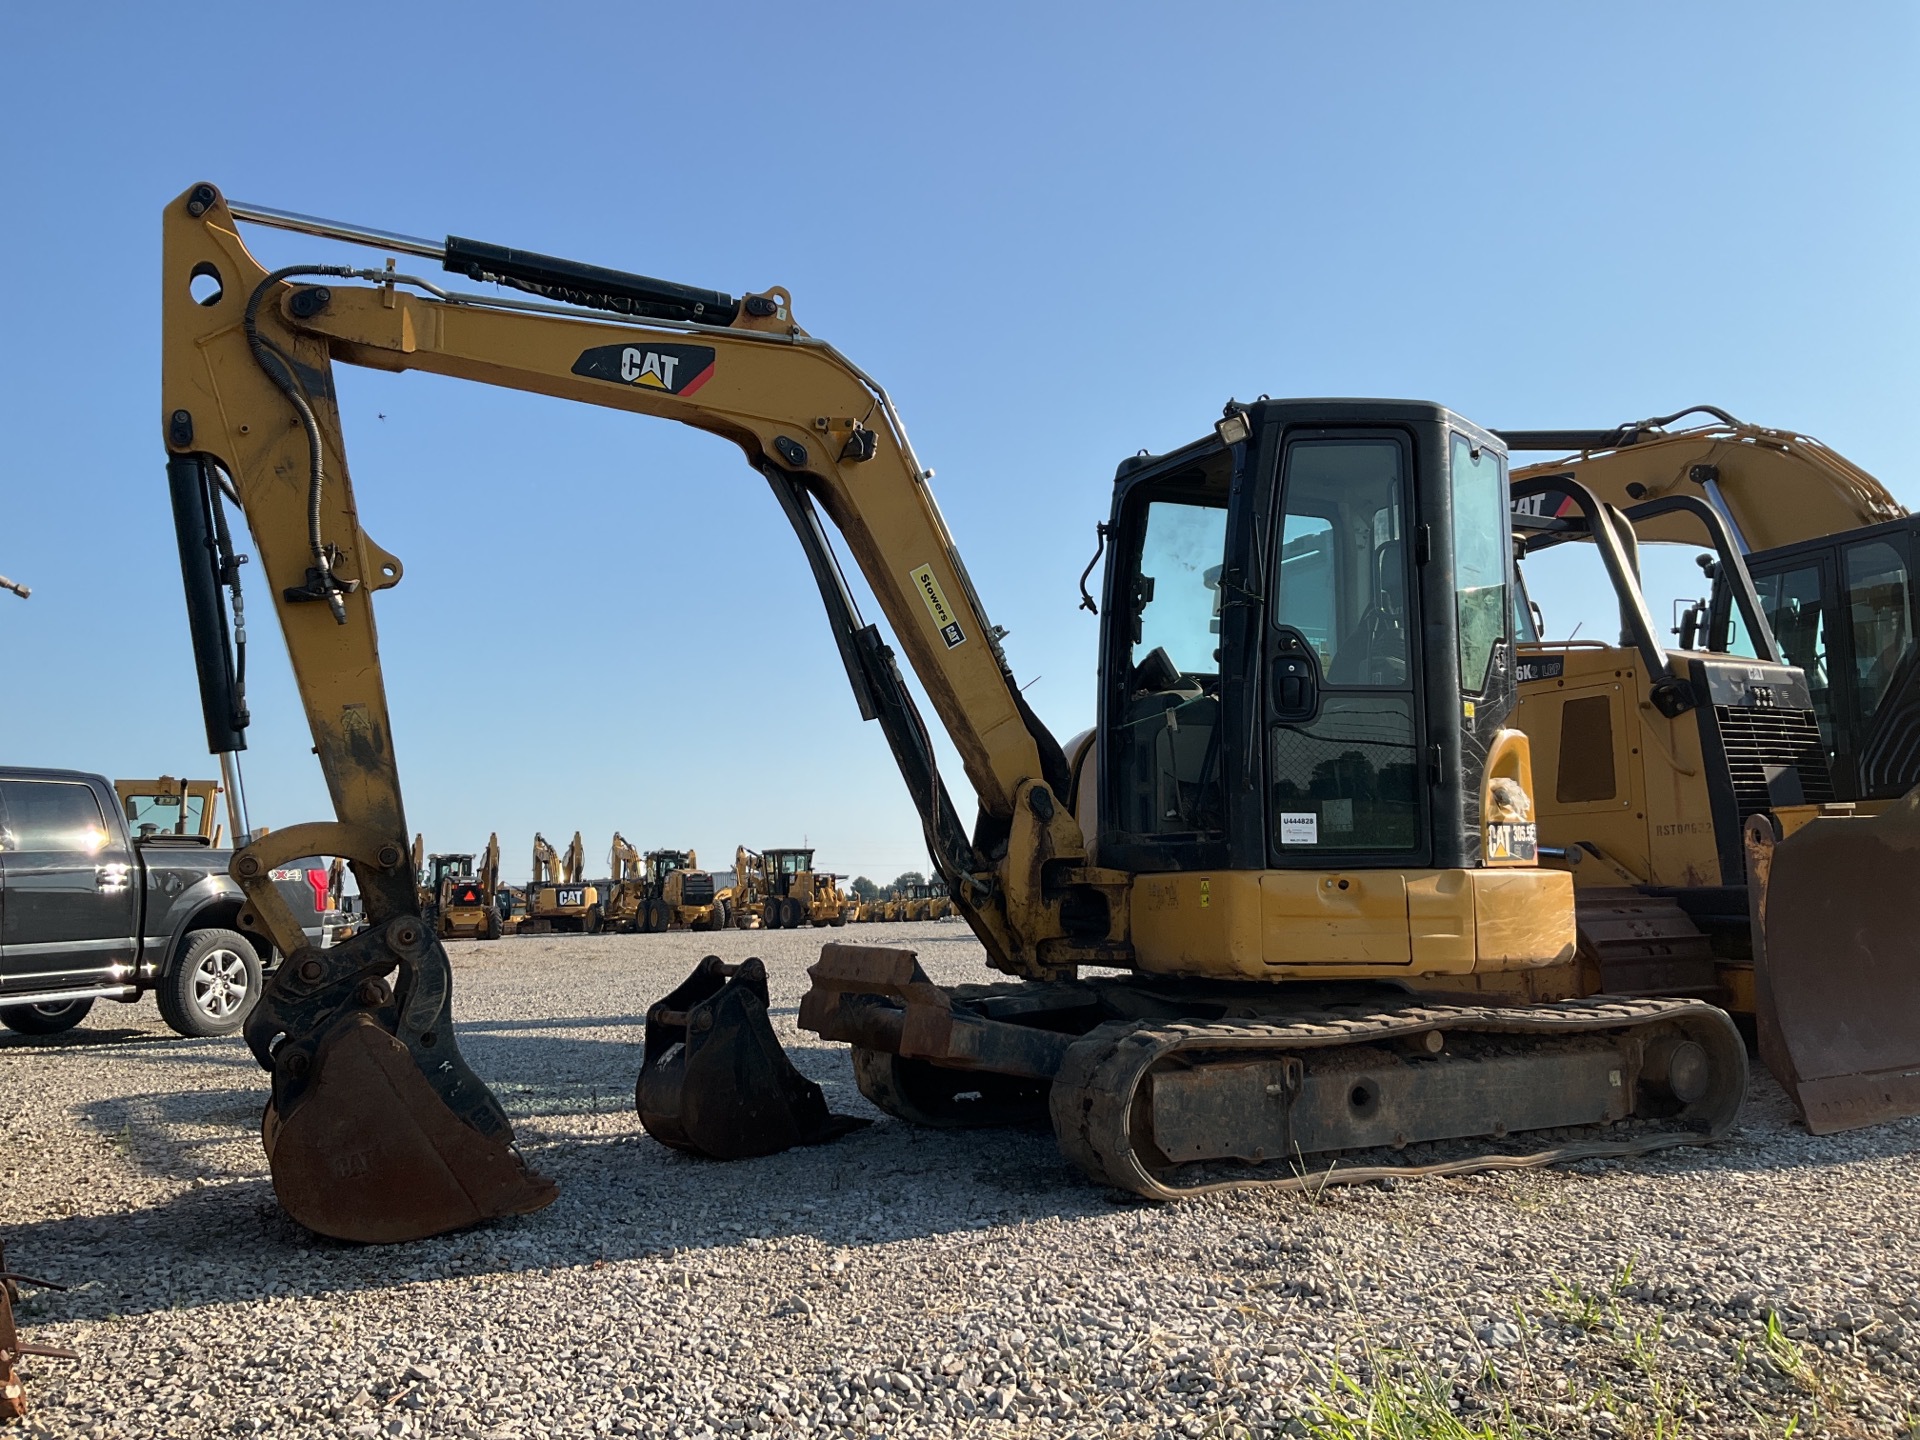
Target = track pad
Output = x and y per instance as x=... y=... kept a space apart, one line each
x=372 y=1154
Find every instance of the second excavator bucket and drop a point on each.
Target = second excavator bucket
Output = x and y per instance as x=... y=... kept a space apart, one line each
x=715 y=1080
x=377 y=1131
x=1837 y=963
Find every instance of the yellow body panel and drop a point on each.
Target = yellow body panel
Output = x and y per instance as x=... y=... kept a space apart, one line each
x=1310 y=924
x=1633 y=785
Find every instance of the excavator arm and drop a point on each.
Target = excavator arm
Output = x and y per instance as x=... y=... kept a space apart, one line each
x=249 y=392
x=1773 y=487
x=410 y=1142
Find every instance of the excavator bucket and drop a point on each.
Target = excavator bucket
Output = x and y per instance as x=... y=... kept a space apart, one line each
x=1837 y=963
x=373 y=1154
x=378 y=1132
x=715 y=1080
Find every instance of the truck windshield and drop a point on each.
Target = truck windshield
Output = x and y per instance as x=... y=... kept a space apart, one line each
x=165 y=815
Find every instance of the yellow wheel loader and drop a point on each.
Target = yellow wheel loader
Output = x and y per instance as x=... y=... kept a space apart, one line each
x=1736 y=830
x=1294 y=857
x=559 y=899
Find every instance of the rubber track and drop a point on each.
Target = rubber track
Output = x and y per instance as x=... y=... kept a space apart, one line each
x=1093 y=1095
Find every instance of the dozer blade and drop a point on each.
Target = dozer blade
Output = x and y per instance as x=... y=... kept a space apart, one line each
x=377 y=1131
x=1837 y=963
x=715 y=1080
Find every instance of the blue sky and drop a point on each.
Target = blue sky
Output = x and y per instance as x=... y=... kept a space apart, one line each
x=1057 y=234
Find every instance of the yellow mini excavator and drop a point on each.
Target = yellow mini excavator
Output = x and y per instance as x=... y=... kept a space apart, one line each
x=1732 y=834
x=1296 y=853
x=559 y=898
x=625 y=905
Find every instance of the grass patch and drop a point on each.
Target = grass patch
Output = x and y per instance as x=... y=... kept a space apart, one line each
x=1414 y=1405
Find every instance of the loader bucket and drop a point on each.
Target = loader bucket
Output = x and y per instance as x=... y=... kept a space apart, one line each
x=715 y=1080
x=372 y=1153
x=1837 y=963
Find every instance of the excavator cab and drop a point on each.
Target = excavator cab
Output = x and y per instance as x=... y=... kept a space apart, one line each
x=1307 y=666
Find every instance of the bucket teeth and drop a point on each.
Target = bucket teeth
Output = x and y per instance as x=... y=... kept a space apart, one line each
x=715 y=1080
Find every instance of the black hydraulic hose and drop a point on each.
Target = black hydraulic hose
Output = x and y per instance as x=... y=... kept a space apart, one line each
x=280 y=371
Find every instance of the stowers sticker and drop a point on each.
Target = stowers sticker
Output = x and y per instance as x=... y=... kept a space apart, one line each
x=675 y=369
x=943 y=617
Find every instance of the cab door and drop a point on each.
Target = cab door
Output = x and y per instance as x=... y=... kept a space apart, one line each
x=1344 y=724
x=1346 y=787
x=71 y=901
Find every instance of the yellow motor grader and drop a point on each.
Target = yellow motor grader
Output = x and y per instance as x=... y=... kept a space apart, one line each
x=661 y=890
x=1277 y=919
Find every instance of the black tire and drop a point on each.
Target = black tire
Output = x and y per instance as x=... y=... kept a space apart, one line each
x=797 y=917
x=722 y=917
x=45 y=1019
x=212 y=986
x=490 y=927
x=591 y=925
x=773 y=914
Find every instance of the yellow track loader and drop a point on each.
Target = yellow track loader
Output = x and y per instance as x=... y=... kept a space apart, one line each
x=559 y=898
x=466 y=898
x=1735 y=830
x=1295 y=855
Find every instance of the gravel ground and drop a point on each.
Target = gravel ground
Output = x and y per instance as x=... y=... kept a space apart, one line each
x=907 y=1282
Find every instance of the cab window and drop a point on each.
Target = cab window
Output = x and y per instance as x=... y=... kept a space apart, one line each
x=1480 y=547
x=1167 y=752
x=1794 y=608
x=1877 y=612
x=1343 y=563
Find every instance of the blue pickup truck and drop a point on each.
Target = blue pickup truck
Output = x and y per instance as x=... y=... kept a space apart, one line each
x=93 y=907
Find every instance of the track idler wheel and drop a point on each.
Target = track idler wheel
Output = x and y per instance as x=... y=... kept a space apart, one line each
x=377 y=1131
x=715 y=1080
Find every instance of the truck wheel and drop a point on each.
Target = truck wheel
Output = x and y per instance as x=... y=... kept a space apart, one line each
x=212 y=986
x=797 y=917
x=44 y=1019
x=591 y=925
x=490 y=927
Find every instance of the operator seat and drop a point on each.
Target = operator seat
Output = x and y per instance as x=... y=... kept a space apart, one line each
x=1374 y=651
